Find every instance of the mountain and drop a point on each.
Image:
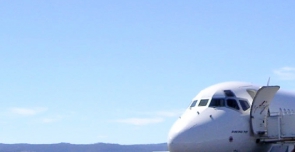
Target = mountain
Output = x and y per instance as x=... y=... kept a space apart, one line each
x=66 y=147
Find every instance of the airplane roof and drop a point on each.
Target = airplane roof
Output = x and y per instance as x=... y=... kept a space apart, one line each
x=217 y=90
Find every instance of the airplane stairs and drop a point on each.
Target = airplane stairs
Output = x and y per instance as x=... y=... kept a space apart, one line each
x=280 y=131
x=281 y=148
x=280 y=127
x=276 y=128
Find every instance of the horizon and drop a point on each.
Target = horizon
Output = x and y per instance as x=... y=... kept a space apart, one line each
x=82 y=144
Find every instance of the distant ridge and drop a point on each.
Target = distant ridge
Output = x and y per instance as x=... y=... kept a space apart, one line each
x=66 y=147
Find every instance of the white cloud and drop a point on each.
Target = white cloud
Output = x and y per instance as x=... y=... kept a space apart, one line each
x=285 y=73
x=50 y=120
x=155 y=117
x=140 y=121
x=164 y=113
x=27 y=111
x=173 y=113
x=102 y=136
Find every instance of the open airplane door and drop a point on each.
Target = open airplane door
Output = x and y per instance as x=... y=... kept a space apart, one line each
x=259 y=108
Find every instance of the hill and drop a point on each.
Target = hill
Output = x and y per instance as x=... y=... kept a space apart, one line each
x=66 y=147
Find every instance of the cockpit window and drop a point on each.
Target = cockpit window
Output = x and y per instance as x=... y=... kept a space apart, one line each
x=232 y=103
x=244 y=104
x=194 y=103
x=217 y=102
x=203 y=102
x=229 y=93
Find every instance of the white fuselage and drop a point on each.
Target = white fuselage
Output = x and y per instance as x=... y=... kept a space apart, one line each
x=225 y=125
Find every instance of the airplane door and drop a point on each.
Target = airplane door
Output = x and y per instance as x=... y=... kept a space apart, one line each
x=259 y=108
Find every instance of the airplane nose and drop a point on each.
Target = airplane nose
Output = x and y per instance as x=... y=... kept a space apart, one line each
x=177 y=138
x=194 y=132
x=188 y=132
x=177 y=142
x=173 y=142
x=172 y=147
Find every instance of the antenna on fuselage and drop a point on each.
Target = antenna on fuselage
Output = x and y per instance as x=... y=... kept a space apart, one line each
x=268 y=81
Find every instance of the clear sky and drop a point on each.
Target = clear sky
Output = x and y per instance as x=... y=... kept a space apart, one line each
x=123 y=71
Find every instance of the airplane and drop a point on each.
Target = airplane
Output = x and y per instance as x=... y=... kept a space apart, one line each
x=236 y=117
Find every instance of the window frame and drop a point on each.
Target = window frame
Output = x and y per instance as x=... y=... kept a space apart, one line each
x=224 y=100
x=202 y=101
x=246 y=101
x=194 y=104
x=239 y=107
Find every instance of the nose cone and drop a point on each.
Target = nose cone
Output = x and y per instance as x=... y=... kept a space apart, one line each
x=179 y=138
x=176 y=141
x=173 y=139
x=192 y=132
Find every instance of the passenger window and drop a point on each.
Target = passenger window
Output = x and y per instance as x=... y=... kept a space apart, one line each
x=232 y=103
x=194 y=103
x=217 y=102
x=244 y=104
x=203 y=102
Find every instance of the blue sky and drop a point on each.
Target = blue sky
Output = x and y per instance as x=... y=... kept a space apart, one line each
x=123 y=71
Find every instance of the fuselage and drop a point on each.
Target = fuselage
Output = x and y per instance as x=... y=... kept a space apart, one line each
x=219 y=120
